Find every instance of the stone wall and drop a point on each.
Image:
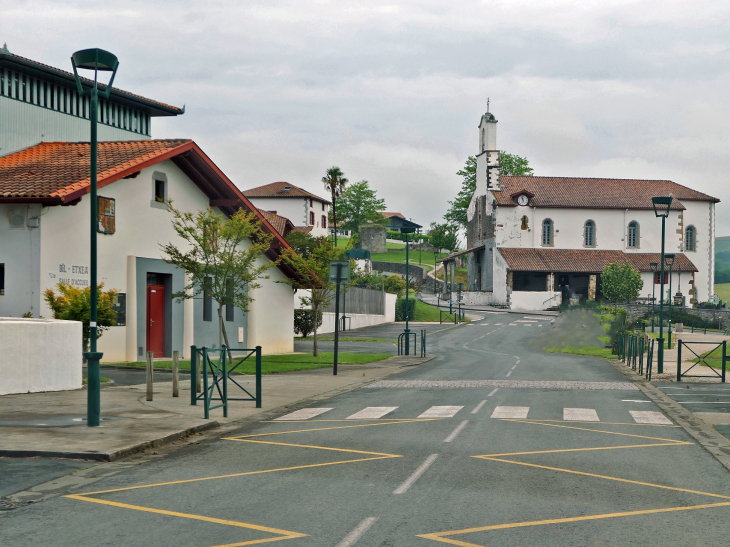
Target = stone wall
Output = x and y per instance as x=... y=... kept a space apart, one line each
x=635 y=311
x=372 y=238
x=415 y=272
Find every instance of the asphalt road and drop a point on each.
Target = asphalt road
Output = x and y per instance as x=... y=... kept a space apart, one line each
x=492 y=443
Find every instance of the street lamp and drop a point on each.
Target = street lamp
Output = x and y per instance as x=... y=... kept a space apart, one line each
x=669 y=258
x=96 y=60
x=661 y=209
x=653 y=266
x=407 y=230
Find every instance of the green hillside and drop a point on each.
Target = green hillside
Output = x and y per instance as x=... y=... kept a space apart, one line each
x=722 y=260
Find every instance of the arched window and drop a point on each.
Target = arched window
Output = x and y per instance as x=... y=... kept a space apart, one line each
x=589 y=234
x=633 y=236
x=547 y=233
x=690 y=239
x=525 y=223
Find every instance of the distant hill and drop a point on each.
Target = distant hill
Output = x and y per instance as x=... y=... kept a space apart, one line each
x=722 y=259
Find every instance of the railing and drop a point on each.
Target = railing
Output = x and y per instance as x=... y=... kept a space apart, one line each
x=701 y=359
x=423 y=343
x=553 y=298
x=630 y=349
x=404 y=339
x=213 y=363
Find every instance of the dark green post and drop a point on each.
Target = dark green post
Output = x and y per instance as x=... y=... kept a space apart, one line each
x=408 y=297
x=679 y=362
x=337 y=318
x=724 y=359
x=206 y=403
x=660 y=362
x=96 y=60
x=193 y=375
x=224 y=370
x=258 y=376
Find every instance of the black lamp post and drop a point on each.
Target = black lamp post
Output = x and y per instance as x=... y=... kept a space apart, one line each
x=670 y=262
x=653 y=266
x=661 y=209
x=407 y=230
x=96 y=60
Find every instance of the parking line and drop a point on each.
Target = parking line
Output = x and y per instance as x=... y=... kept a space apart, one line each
x=403 y=488
x=456 y=431
x=649 y=417
x=580 y=414
x=480 y=405
x=304 y=414
x=441 y=412
x=357 y=533
x=493 y=392
x=513 y=412
x=372 y=412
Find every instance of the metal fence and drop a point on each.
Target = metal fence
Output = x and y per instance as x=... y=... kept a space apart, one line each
x=637 y=351
x=359 y=300
x=701 y=359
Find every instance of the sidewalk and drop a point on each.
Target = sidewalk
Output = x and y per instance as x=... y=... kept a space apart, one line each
x=53 y=424
x=670 y=355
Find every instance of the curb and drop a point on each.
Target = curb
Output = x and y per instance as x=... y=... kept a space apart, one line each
x=704 y=434
x=110 y=456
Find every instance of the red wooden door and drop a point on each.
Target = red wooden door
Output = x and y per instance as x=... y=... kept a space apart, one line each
x=156 y=319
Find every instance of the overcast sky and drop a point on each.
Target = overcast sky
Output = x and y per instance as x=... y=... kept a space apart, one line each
x=392 y=92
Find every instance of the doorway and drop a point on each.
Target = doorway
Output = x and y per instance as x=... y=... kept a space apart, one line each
x=156 y=320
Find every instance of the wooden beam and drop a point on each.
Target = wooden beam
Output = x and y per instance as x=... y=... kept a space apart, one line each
x=225 y=202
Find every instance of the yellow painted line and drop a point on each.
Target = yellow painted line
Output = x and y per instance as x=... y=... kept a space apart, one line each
x=581 y=449
x=440 y=536
x=602 y=431
x=405 y=420
x=322 y=429
x=595 y=423
x=285 y=533
x=318 y=447
x=618 y=479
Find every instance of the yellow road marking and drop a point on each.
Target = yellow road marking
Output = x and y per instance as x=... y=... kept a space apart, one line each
x=441 y=536
x=326 y=428
x=284 y=534
x=673 y=443
x=370 y=420
x=599 y=431
x=594 y=423
x=317 y=447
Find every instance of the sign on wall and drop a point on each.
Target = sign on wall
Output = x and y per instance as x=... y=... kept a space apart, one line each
x=107 y=211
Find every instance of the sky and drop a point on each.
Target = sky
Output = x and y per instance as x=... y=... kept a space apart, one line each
x=392 y=92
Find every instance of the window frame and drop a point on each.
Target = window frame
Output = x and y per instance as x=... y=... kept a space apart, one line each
x=687 y=231
x=311 y=218
x=550 y=233
x=636 y=237
x=592 y=225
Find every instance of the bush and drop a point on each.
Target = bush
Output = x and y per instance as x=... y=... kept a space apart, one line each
x=304 y=322
x=395 y=284
x=400 y=307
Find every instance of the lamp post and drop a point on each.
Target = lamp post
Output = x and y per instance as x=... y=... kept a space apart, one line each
x=661 y=209
x=96 y=60
x=653 y=266
x=670 y=262
x=435 y=267
x=406 y=231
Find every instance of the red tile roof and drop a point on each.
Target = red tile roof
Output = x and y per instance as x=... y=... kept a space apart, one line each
x=277 y=190
x=389 y=215
x=593 y=193
x=281 y=224
x=583 y=261
x=57 y=173
x=303 y=229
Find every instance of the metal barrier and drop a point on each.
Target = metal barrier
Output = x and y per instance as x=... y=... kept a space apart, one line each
x=700 y=359
x=447 y=314
x=220 y=370
x=423 y=343
x=402 y=342
x=630 y=349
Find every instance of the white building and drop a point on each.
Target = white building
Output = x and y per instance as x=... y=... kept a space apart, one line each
x=44 y=218
x=309 y=213
x=532 y=241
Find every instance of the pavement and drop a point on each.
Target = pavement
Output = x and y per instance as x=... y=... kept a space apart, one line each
x=493 y=442
x=52 y=424
x=694 y=345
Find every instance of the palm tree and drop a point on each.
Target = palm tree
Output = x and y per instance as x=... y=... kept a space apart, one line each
x=334 y=182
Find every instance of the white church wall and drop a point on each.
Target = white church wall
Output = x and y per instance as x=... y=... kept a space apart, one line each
x=700 y=214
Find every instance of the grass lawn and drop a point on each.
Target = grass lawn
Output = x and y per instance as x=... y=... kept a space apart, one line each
x=400 y=257
x=343 y=338
x=102 y=379
x=271 y=364
x=585 y=350
x=723 y=291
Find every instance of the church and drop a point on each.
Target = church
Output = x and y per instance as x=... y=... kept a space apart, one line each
x=533 y=242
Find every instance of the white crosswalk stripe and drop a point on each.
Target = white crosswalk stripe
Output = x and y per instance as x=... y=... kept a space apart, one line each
x=441 y=412
x=304 y=414
x=649 y=417
x=514 y=412
x=580 y=414
x=372 y=412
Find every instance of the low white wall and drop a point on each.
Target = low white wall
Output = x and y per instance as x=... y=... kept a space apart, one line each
x=358 y=319
x=529 y=300
x=39 y=355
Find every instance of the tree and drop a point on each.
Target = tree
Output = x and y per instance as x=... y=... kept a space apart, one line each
x=222 y=258
x=395 y=284
x=360 y=204
x=444 y=236
x=74 y=304
x=312 y=265
x=620 y=283
x=334 y=182
x=510 y=164
x=514 y=165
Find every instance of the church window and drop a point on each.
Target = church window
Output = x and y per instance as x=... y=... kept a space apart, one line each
x=633 y=235
x=690 y=239
x=525 y=225
x=589 y=234
x=547 y=233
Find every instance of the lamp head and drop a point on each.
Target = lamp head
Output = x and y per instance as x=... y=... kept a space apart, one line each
x=97 y=60
x=654 y=266
x=669 y=259
x=661 y=205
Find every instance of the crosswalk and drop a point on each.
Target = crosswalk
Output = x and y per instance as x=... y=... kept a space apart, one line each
x=499 y=412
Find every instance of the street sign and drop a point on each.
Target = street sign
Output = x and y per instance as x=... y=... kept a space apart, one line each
x=339 y=271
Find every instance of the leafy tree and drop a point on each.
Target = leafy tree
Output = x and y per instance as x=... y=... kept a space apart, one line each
x=395 y=284
x=74 y=304
x=444 y=236
x=304 y=322
x=334 y=182
x=510 y=164
x=359 y=204
x=222 y=257
x=313 y=269
x=303 y=243
x=621 y=283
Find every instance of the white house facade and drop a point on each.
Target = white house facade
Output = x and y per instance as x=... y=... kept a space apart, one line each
x=307 y=211
x=534 y=241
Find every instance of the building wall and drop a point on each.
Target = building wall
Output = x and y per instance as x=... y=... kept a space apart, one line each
x=297 y=210
x=20 y=253
x=271 y=315
x=23 y=125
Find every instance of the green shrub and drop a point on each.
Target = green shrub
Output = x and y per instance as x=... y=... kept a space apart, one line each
x=395 y=284
x=304 y=322
x=400 y=307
